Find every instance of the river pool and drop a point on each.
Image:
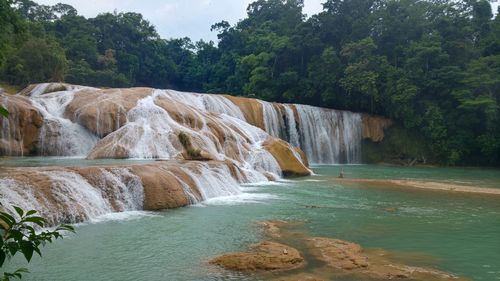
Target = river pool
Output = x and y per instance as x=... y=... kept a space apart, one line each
x=453 y=232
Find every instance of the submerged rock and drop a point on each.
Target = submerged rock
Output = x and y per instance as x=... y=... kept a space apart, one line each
x=348 y=258
x=337 y=253
x=265 y=256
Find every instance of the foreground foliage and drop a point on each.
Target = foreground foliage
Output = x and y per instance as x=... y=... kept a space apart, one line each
x=20 y=236
x=433 y=65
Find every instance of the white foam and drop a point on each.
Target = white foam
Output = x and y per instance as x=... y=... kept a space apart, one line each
x=243 y=198
x=122 y=216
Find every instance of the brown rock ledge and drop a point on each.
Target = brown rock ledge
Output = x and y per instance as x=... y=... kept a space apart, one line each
x=290 y=162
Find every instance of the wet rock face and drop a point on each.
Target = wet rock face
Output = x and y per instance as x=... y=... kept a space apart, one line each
x=19 y=132
x=77 y=194
x=251 y=109
x=290 y=162
x=104 y=111
x=265 y=256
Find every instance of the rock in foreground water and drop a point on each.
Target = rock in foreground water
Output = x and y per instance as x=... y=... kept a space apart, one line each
x=265 y=256
x=348 y=258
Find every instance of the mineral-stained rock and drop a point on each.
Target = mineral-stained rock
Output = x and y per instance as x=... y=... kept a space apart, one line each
x=290 y=162
x=76 y=194
x=265 y=256
x=104 y=111
x=19 y=132
x=251 y=108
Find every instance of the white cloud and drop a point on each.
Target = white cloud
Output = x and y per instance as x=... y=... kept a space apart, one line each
x=176 y=18
x=180 y=18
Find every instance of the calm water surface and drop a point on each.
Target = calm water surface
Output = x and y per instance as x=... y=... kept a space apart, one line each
x=451 y=232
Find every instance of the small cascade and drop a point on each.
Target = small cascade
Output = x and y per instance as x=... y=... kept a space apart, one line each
x=263 y=162
x=125 y=189
x=330 y=136
x=149 y=131
x=14 y=193
x=207 y=103
x=291 y=124
x=60 y=136
x=69 y=197
x=273 y=120
x=214 y=182
x=192 y=198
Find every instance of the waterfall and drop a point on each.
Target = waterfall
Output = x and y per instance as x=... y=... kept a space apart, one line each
x=69 y=197
x=149 y=131
x=330 y=136
x=60 y=136
x=293 y=134
x=272 y=119
x=213 y=182
x=207 y=103
x=326 y=136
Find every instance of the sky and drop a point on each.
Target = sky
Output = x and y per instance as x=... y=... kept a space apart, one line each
x=180 y=18
x=177 y=18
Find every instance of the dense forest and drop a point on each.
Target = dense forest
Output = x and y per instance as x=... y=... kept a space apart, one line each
x=433 y=66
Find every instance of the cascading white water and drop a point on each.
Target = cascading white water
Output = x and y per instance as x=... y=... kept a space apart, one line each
x=60 y=136
x=151 y=132
x=214 y=125
x=272 y=120
x=330 y=136
x=207 y=103
x=14 y=193
x=326 y=136
x=214 y=182
x=72 y=198
x=126 y=188
x=291 y=123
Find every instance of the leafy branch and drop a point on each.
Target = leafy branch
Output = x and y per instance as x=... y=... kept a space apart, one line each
x=20 y=236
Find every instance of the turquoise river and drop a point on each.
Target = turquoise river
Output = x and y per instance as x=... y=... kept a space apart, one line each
x=453 y=232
